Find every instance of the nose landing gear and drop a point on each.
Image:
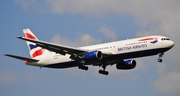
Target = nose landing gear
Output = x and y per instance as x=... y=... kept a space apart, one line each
x=160 y=56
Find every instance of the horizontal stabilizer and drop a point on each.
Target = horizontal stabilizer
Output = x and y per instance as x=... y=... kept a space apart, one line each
x=21 y=58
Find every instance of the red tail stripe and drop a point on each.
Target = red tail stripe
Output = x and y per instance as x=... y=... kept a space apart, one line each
x=37 y=53
x=27 y=35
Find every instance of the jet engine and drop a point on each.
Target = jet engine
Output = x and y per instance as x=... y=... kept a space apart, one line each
x=126 y=64
x=93 y=55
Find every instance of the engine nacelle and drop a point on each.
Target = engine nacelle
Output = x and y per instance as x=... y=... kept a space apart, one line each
x=126 y=64
x=93 y=55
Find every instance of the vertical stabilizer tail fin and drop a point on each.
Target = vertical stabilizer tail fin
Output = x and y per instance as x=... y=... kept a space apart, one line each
x=34 y=50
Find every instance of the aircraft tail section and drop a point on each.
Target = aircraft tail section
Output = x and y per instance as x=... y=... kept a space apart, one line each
x=34 y=50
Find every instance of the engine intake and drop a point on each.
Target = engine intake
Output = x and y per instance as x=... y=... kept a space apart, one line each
x=126 y=64
x=93 y=55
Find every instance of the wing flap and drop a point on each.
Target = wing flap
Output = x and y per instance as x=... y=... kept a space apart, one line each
x=21 y=58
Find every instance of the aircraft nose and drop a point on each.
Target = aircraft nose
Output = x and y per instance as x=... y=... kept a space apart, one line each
x=168 y=44
x=171 y=44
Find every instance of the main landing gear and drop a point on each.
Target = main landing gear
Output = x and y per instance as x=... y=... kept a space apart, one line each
x=83 y=67
x=103 y=72
x=160 y=56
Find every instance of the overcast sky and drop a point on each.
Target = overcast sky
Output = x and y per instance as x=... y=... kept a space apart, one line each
x=86 y=22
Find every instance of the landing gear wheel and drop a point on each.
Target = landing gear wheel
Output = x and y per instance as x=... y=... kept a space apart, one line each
x=160 y=60
x=106 y=72
x=100 y=71
x=103 y=72
x=86 y=68
x=83 y=67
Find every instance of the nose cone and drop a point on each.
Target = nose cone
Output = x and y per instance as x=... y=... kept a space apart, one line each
x=169 y=44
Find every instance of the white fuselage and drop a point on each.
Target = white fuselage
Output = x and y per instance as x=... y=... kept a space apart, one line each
x=125 y=49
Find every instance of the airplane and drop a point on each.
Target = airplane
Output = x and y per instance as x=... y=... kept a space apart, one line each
x=119 y=53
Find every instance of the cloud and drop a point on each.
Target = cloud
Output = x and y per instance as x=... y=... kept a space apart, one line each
x=108 y=33
x=168 y=83
x=25 y=4
x=143 y=11
x=8 y=77
x=82 y=40
x=34 y=5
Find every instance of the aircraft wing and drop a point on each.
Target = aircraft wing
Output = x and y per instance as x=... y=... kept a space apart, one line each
x=61 y=49
x=21 y=58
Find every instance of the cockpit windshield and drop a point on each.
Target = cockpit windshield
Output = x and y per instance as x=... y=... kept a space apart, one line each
x=165 y=39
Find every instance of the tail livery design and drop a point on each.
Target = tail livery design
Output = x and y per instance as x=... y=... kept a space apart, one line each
x=35 y=51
